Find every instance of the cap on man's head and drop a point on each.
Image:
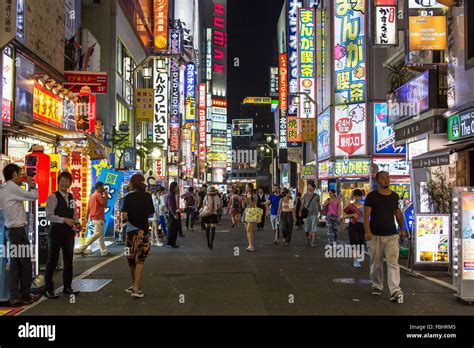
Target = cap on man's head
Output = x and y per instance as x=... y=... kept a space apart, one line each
x=137 y=179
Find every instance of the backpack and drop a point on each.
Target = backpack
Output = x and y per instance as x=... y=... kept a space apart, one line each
x=236 y=203
x=190 y=200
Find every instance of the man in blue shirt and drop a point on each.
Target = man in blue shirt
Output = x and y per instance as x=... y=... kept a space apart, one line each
x=274 y=203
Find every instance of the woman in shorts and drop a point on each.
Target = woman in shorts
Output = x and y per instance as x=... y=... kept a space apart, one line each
x=136 y=210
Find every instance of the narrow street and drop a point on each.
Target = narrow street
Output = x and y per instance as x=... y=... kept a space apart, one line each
x=194 y=280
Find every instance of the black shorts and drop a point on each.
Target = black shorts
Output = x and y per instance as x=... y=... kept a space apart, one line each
x=137 y=247
x=211 y=219
x=356 y=233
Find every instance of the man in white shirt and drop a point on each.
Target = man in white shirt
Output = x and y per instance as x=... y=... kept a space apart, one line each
x=12 y=200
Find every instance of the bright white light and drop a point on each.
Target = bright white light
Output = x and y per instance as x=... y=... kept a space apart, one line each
x=156 y=153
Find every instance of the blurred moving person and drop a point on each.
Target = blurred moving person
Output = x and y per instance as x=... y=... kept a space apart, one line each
x=287 y=216
x=96 y=211
x=309 y=212
x=208 y=215
x=355 y=211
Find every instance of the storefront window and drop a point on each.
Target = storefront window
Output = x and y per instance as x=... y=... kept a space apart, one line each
x=125 y=67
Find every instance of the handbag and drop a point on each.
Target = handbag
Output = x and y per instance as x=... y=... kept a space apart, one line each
x=253 y=215
x=305 y=211
x=206 y=210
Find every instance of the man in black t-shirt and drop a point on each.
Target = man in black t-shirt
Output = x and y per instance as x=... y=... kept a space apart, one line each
x=381 y=209
x=137 y=208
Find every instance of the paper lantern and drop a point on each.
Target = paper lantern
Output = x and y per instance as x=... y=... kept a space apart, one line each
x=85 y=111
x=38 y=166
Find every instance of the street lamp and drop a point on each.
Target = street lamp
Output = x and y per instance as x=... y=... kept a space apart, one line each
x=157 y=153
x=146 y=73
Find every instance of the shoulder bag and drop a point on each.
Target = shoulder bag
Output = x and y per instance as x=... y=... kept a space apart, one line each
x=305 y=211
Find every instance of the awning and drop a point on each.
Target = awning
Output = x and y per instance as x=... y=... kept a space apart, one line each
x=440 y=157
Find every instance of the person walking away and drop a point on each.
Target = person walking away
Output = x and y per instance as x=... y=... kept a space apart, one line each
x=274 y=204
x=309 y=213
x=355 y=211
x=381 y=206
x=299 y=220
x=156 y=232
x=96 y=211
x=332 y=205
x=249 y=201
x=262 y=204
x=208 y=214
x=12 y=203
x=220 y=209
x=224 y=202
x=202 y=194
x=162 y=211
x=234 y=208
x=62 y=214
x=137 y=208
x=191 y=201
x=173 y=216
x=287 y=216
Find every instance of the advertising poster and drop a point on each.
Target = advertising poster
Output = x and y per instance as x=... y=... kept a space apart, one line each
x=467 y=204
x=432 y=238
x=160 y=29
x=384 y=135
x=273 y=82
x=308 y=173
x=325 y=169
x=160 y=120
x=242 y=128
x=294 y=130
x=293 y=40
x=190 y=92
x=386 y=32
x=308 y=129
x=307 y=58
x=349 y=52
x=324 y=133
x=113 y=181
x=283 y=93
x=24 y=89
x=402 y=190
x=144 y=104
x=393 y=166
x=350 y=130
x=7 y=86
x=427 y=33
x=353 y=167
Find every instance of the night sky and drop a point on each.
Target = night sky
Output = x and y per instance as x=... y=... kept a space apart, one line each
x=252 y=37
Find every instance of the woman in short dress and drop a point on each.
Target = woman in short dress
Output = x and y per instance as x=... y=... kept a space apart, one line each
x=211 y=205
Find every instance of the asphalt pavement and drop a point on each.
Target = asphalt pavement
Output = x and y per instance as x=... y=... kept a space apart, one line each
x=273 y=280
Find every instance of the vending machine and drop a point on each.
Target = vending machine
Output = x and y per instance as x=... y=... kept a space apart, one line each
x=463 y=243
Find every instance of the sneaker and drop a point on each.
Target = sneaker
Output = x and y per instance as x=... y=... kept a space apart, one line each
x=129 y=290
x=397 y=297
x=107 y=253
x=356 y=264
x=376 y=292
x=160 y=244
x=313 y=244
x=250 y=249
x=138 y=294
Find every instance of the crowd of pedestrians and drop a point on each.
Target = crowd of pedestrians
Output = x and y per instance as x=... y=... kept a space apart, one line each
x=371 y=224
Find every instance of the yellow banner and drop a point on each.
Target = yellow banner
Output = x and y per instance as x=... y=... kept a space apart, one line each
x=258 y=100
x=308 y=129
x=144 y=105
